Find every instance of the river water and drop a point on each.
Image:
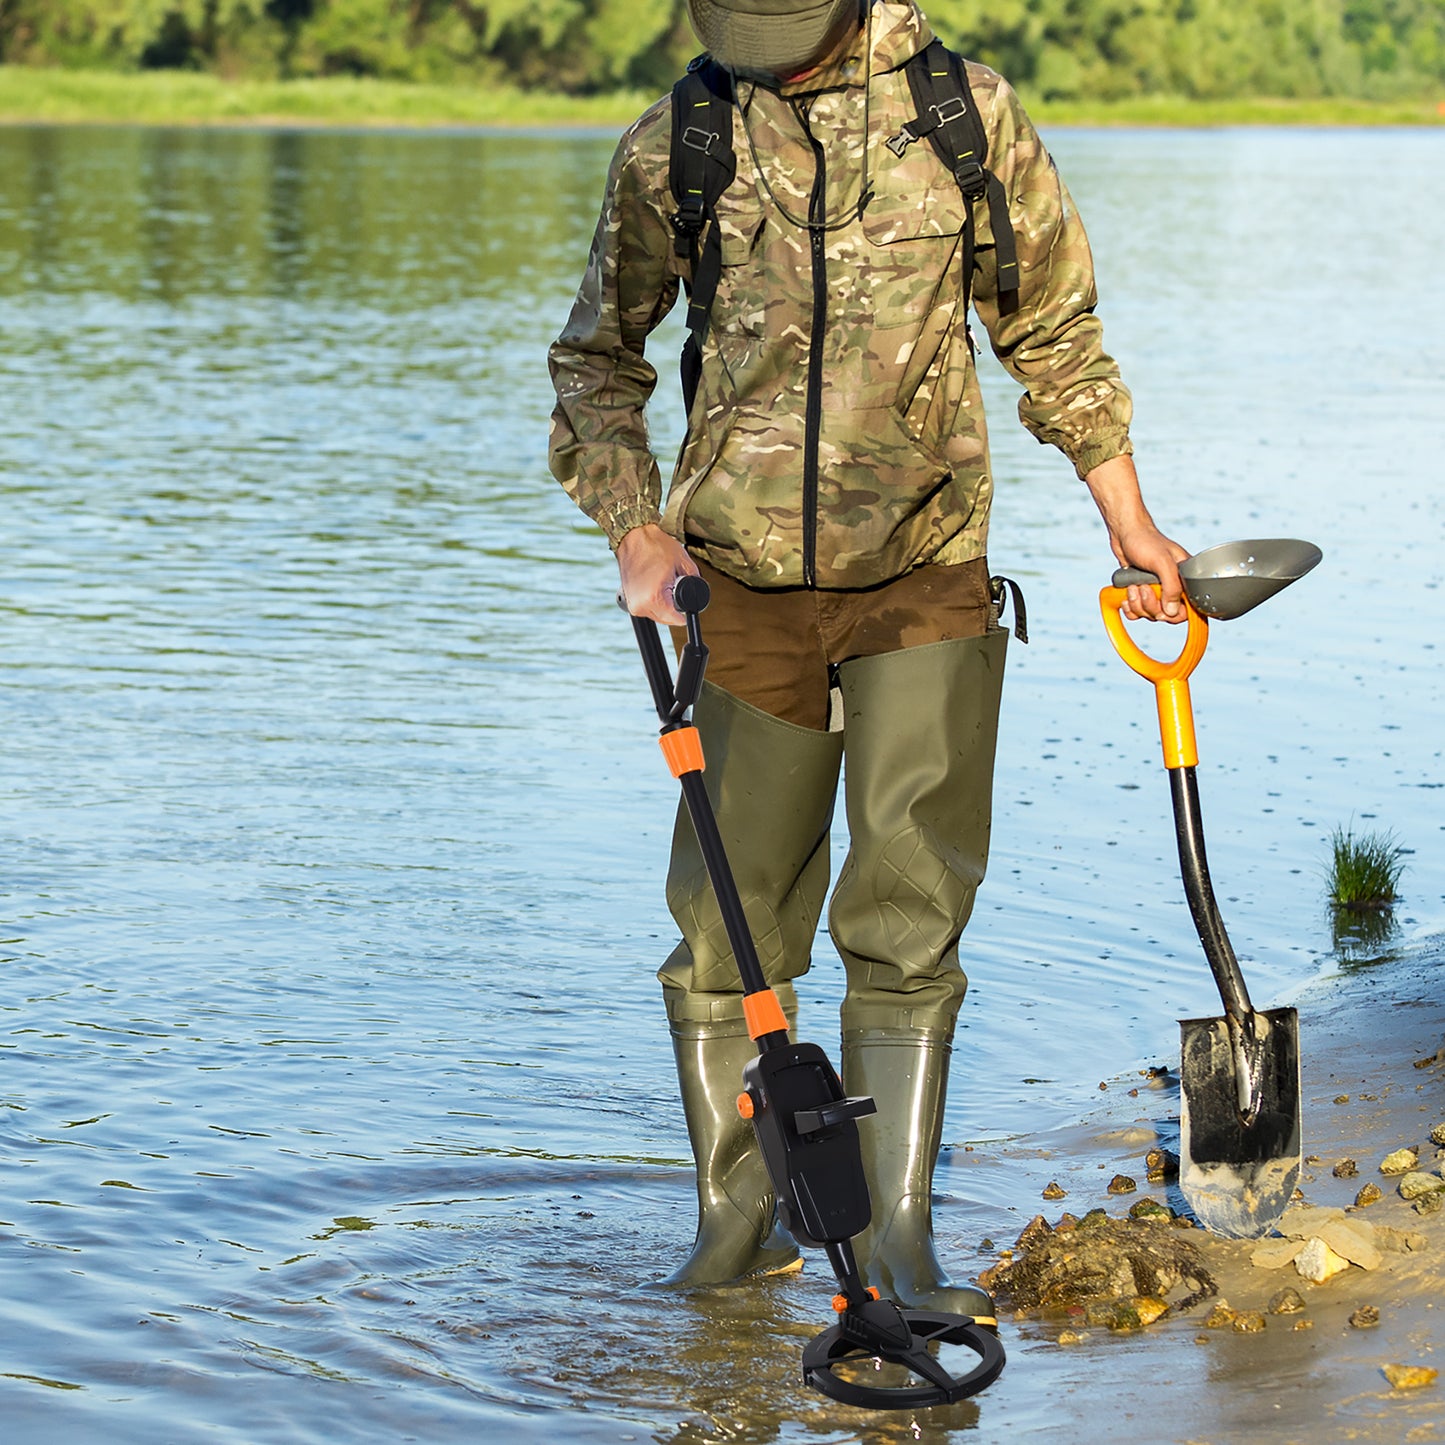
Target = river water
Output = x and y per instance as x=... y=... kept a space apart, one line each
x=336 y=1100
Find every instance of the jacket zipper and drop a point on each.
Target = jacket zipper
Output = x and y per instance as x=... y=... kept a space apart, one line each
x=813 y=414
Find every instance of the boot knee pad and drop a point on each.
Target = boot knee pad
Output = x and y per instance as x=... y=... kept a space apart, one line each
x=908 y=915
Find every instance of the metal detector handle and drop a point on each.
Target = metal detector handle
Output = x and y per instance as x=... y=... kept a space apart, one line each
x=690 y=595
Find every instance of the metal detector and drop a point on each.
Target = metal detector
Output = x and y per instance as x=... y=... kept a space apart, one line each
x=807 y=1128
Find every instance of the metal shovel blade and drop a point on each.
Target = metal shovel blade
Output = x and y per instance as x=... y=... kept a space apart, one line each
x=1239 y=1123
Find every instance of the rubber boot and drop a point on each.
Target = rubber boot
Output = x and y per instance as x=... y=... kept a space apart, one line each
x=737 y=1230
x=772 y=786
x=920 y=729
x=906 y=1072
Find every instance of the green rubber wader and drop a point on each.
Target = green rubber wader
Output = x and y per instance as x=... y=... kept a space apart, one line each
x=772 y=785
x=920 y=729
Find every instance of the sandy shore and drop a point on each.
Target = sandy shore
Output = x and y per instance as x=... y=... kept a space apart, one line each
x=1311 y=1376
x=637 y=1364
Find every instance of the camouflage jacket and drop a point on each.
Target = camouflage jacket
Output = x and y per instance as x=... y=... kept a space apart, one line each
x=903 y=471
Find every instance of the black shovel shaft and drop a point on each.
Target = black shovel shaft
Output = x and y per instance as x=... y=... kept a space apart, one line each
x=1194 y=869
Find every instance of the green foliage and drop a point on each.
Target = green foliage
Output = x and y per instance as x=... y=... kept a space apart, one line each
x=1064 y=50
x=1364 y=872
x=119 y=33
x=1204 y=49
x=192 y=97
x=423 y=40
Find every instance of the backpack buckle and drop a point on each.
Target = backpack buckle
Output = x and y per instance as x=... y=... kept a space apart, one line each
x=689 y=218
x=687 y=222
x=900 y=142
x=705 y=144
x=971 y=177
x=949 y=110
x=953 y=108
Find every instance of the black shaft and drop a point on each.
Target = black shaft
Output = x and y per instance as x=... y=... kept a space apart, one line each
x=709 y=840
x=673 y=701
x=1194 y=868
x=845 y=1267
x=654 y=663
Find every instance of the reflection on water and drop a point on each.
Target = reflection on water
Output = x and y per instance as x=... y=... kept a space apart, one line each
x=336 y=1101
x=1362 y=935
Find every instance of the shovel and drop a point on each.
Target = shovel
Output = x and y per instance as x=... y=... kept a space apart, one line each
x=1239 y=1123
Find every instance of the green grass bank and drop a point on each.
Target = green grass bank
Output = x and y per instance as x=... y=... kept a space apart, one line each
x=30 y=95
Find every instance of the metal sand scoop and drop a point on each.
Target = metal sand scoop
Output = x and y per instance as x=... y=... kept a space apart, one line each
x=1229 y=580
x=1239 y=1125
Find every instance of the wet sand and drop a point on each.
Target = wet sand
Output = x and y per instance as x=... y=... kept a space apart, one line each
x=1364 y=1036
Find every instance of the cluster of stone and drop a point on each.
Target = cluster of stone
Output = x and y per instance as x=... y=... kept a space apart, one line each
x=1322 y=1243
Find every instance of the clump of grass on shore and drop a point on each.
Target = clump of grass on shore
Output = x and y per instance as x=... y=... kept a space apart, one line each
x=1364 y=872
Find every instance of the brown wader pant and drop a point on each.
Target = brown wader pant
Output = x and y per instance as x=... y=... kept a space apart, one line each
x=778 y=650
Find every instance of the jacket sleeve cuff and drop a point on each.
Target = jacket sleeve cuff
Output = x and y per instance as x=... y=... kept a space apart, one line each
x=620 y=519
x=1099 y=450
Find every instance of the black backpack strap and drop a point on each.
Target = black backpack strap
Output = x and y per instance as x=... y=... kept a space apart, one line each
x=949 y=119
x=701 y=167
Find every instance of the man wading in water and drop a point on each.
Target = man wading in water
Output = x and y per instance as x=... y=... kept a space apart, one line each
x=834 y=491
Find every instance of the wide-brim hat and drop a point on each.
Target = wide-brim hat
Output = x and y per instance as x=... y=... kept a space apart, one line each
x=768 y=35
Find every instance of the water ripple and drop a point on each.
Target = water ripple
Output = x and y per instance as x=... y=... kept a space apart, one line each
x=335 y=1100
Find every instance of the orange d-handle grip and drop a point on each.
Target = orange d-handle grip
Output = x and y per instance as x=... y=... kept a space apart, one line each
x=1170 y=679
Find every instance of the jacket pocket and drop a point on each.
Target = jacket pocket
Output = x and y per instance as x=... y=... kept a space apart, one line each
x=915 y=197
x=740 y=303
x=737 y=335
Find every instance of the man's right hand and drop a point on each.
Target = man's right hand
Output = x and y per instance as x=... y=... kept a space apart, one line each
x=649 y=561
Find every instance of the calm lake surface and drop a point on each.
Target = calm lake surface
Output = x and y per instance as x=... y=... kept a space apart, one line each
x=336 y=1099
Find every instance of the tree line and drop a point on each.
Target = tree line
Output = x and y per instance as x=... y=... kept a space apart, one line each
x=1053 y=49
